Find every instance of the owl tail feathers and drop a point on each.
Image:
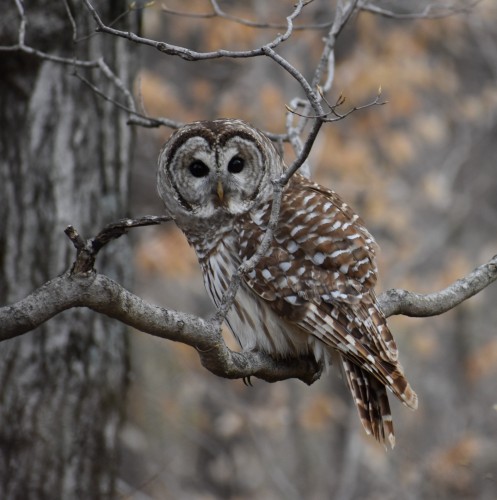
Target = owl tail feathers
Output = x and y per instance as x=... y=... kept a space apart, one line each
x=401 y=388
x=370 y=397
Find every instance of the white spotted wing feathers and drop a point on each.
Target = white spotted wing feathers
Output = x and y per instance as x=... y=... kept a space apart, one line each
x=319 y=276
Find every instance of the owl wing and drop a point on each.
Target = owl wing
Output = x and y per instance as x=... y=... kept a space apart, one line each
x=319 y=274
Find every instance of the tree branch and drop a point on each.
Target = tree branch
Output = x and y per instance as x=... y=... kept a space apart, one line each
x=220 y=13
x=343 y=14
x=398 y=301
x=192 y=55
x=87 y=250
x=430 y=11
x=82 y=286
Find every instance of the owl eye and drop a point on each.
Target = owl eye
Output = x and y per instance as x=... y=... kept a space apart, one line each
x=198 y=168
x=236 y=164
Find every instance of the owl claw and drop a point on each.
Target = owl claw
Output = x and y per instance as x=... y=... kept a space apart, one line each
x=247 y=381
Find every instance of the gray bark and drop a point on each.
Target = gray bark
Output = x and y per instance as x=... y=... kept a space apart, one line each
x=64 y=158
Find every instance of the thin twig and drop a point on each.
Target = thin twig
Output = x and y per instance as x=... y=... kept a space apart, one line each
x=327 y=60
x=22 y=26
x=249 y=264
x=21 y=46
x=429 y=12
x=306 y=149
x=220 y=13
x=192 y=55
x=71 y=21
x=333 y=108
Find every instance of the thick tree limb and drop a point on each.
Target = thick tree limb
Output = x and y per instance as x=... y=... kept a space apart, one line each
x=103 y=295
x=82 y=286
x=398 y=301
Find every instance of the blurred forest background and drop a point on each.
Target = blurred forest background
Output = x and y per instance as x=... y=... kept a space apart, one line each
x=421 y=170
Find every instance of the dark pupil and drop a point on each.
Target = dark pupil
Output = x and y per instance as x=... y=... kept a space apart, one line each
x=198 y=168
x=236 y=164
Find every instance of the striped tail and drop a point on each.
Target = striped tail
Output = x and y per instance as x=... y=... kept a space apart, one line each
x=370 y=397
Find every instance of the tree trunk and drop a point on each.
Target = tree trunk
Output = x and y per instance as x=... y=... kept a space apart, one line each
x=64 y=159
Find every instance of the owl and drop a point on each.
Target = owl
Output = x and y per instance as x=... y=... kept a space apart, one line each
x=312 y=293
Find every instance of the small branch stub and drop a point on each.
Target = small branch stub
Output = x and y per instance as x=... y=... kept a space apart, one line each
x=88 y=250
x=85 y=257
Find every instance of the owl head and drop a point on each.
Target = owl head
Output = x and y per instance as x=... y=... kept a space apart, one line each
x=217 y=168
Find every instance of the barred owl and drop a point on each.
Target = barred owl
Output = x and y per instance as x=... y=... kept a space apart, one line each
x=312 y=292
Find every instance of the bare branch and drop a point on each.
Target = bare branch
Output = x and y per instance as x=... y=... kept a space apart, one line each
x=135 y=117
x=22 y=47
x=142 y=120
x=83 y=287
x=48 y=57
x=306 y=149
x=72 y=21
x=333 y=115
x=431 y=11
x=87 y=250
x=220 y=13
x=80 y=288
x=327 y=61
x=192 y=55
x=309 y=91
x=398 y=301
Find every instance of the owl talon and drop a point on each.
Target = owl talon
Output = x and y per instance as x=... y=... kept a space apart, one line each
x=247 y=381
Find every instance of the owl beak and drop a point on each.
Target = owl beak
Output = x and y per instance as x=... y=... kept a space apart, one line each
x=220 y=190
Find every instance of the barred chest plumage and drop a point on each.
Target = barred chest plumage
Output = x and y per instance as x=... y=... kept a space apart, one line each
x=252 y=322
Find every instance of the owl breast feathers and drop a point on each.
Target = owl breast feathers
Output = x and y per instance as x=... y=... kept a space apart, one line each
x=313 y=290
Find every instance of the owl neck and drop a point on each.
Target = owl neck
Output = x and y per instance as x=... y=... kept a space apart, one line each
x=205 y=235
